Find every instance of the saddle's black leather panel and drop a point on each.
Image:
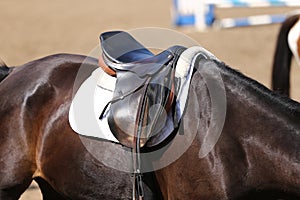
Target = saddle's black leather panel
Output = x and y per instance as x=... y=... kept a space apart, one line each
x=120 y=47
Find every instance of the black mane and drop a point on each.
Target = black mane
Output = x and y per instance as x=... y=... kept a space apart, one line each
x=281 y=101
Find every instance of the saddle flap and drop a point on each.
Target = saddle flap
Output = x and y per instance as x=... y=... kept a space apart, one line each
x=127 y=83
x=120 y=47
x=143 y=111
x=123 y=118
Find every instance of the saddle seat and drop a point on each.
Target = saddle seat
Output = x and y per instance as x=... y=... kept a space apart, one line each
x=122 y=52
x=145 y=88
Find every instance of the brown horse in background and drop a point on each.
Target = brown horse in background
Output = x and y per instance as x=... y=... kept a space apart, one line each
x=288 y=45
x=256 y=157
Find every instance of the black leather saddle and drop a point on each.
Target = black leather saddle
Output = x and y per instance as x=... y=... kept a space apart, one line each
x=145 y=87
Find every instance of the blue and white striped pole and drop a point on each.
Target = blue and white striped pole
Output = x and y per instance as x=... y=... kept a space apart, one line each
x=249 y=21
x=200 y=13
x=253 y=3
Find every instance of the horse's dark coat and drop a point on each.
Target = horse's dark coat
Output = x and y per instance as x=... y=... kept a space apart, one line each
x=257 y=155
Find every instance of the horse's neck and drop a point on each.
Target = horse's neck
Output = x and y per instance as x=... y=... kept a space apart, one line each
x=267 y=128
x=254 y=98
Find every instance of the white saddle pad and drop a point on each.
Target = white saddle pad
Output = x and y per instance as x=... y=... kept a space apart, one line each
x=86 y=107
x=97 y=90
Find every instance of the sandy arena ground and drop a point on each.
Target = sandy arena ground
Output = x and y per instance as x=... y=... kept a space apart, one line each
x=32 y=29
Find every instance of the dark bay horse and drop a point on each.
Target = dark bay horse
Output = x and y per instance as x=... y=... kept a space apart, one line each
x=256 y=157
x=288 y=45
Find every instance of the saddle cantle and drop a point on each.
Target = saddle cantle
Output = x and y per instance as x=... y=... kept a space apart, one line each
x=145 y=87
